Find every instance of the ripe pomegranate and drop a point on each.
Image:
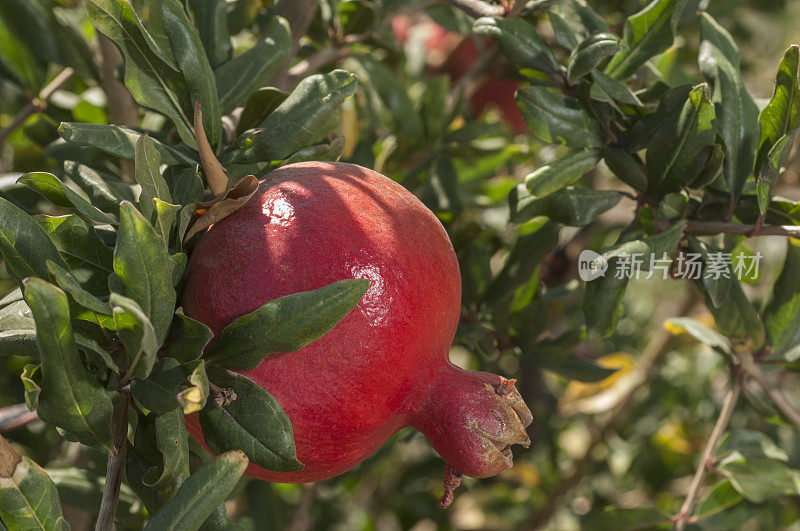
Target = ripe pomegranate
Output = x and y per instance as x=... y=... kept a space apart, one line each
x=385 y=365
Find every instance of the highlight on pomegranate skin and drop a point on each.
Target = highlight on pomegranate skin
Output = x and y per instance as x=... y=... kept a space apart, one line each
x=385 y=365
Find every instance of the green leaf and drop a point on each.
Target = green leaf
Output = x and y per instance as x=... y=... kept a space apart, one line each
x=119 y=141
x=163 y=218
x=606 y=88
x=286 y=324
x=566 y=170
x=28 y=497
x=243 y=75
x=76 y=238
x=145 y=269
x=185 y=185
x=677 y=152
x=194 y=398
x=172 y=443
x=187 y=338
x=774 y=166
x=83 y=489
x=573 y=21
x=18 y=343
x=212 y=25
x=200 y=494
x=625 y=167
x=781 y=312
x=759 y=480
x=254 y=422
x=573 y=205
x=60 y=194
x=699 y=331
x=519 y=42
x=151 y=74
x=737 y=114
x=24 y=244
x=298 y=121
x=557 y=119
x=388 y=93
x=332 y=151
x=70 y=398
x=136 y=333
x=259 y=105
x=16 y=316
x=528 y=251
x=782 y=113
x=17 y=61
x=749 y=444
x=158 y=392
x=556 y=355
x=647 y=33
x=147 y=162
x=31 y=376
x=187 y=48
x=104 y=191
x=721 y=497
x=67 y=282
x=441 y=192
x=590 y=53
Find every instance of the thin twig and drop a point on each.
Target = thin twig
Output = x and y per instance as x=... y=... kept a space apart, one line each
x=116 y=464
x=16 y=416
x=659 y=345
x=37 y=104
x=728 y=405
x=478 y=8
x=694 y=226
x=770 y=389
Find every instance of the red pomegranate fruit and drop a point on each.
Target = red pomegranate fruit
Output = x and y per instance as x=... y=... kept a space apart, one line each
x=385 y=365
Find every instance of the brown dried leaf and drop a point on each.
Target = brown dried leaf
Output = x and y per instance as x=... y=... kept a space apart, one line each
x=216 y=176
x=209 y=212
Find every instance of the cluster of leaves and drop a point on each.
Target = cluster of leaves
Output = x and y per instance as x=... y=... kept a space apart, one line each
x=99 y=268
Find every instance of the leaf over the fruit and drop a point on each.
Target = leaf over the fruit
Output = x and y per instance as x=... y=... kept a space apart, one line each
x=285 y=324
x=254 y=423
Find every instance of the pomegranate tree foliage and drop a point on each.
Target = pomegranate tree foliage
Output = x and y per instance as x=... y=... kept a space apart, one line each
x=94 y=218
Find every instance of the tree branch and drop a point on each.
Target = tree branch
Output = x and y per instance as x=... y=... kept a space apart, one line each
x=770 y=389
x=717 y=227
x=116 y=464
x=37 y=104
x=16 y=416
x=728 y=405
x=478 y=8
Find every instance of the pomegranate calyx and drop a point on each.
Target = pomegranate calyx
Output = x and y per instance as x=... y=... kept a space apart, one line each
x=452 y=479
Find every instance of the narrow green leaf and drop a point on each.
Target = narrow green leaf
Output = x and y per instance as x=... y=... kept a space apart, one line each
x=573 y=205
x=574 y=21
x=781 y=312
x=259 y=105
x=20 y=65
x=699 y=331
x=172 y=443
x=647 y=33
x=211 y=17
x=31 y=376
x=185 y=185
x=721 y=497
x=187 y=338
x=749 y=444
x=200 y=494
x=105 y=191
x=70 y=397
x=736 y=112
x=774 y=166
x=120 y=142
x=590 y=53
x=298 y=121
x=677 y=152
x=150 y=73
x=782 y=113
x=147 y=162
x=163 y=219
x=611 y=90
x=158 y=392
x=145 y=269
x=286 y=324
x=52 y=189
x=28 y=497
x=241 y=76
x=759 y=480
x=254 y=423
x=136 y=333
x=625 y=167
x=67 y=282
x=556 y=355
x=24 y=244
x=562 y=172
x=18 y=343
x=519 y=41
x=557 y=119
x=76 y=238
x=187 y=48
